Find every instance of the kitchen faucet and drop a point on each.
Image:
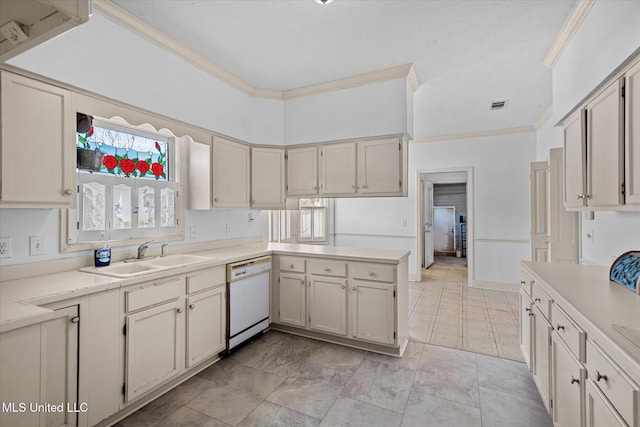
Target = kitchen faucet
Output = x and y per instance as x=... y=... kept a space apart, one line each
x=143 y=248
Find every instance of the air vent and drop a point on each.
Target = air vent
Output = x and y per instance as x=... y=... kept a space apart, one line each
x=498 y=105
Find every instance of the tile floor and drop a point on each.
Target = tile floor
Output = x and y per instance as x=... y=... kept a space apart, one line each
x=285 y=380
x=446 y=312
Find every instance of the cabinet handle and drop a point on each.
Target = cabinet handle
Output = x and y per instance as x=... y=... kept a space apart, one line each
x=301 y=282
x=588 y=196
x=530 y=313
x=215 y=200
x=372 y=274
x=179 y=310
x=527 y=309
x=75 y=319
x=192 y=306
x=522 y=282
x=68 y=192
x=353 y=289
x=601 y=377
x=343 y=286
x=574 y=380
x=558 y=327
x=537 y=300
x=327 y=269
x=580 y=196
x=290 y=265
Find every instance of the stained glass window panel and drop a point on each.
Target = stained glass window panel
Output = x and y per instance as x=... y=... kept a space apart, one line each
x=122 y=212
x=146 y=207
x=93 y=206
x=167 y=207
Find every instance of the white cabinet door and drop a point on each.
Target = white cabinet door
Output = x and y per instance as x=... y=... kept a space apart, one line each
x=338 y=168
x=293 y=299
x=575 y=168
x=379 y=166
x=372 y=311
x=206 y=325
x=539 y=184
x=154 y=347
x=632 y=135
x=37 y=142
x=541 y=355
x=267 y=178
x=230 y=174
x=568 y=379
x=599 y=412
x=563 y=224
x=605 y=145
x=525 y=327
x=302 y=171
x=328 y=304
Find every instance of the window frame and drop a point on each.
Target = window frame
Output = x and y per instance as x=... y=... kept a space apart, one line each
x=292 y=224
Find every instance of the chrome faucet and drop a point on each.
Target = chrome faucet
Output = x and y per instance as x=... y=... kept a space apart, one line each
x=143 y=248
x=163 y=248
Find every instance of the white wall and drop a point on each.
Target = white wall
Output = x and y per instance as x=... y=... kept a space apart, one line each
x=606 y=38
x=609 y=34
x=501 y=204
x=374 y=109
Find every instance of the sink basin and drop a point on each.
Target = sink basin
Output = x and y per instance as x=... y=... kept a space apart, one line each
x=138 y=268
x=177 y=260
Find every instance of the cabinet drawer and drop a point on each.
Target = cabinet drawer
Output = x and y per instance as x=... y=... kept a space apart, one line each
x=379 y=273
x=153 y=294
x=328 y=268
x=292 y=264
x=526 y=283
x=206 y=279
x=618 y=388
x=568 y=331
x=541 y=300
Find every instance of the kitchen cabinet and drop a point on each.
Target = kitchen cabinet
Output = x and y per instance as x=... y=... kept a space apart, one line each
x=380 y=166
x=267 y=178
x=541 y=333
x=338 y=169
x=230 y=174
x=632 y=135
x=599 y=411
x=293 y=299
x=575 y=167
x=206 y=324
x=302 y=171
x=526 y=315
x=328 y=304
x=39 y=365
x=38 y=134
x=568 y=385
x=372 y=308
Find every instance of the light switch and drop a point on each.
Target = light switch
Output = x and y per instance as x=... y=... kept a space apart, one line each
x=36 y=245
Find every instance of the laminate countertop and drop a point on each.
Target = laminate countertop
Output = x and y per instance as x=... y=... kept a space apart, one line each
x=22 y=299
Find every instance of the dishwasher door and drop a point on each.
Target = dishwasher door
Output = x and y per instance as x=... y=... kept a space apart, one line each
x=248 y=302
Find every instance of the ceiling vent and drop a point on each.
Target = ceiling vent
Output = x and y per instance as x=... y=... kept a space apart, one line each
x=498 y=105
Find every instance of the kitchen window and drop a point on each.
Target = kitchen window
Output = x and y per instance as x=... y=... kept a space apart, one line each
x=131 y=194
x=308 y=224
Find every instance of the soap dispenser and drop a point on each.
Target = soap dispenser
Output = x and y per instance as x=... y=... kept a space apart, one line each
x=102 y=255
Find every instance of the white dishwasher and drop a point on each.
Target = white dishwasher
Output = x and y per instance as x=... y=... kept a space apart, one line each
x=248 y=284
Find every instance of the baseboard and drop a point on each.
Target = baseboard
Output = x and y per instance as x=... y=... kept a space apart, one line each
x=495 y=286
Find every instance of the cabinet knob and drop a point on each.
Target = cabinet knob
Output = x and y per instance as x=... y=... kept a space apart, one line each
x=522 y=282
x=527 y=309
x=327 y=269
x=179 y=310
x=574 y=380
x=537 y=300
x=342 y=286
x=580 y=196
x=192 y=306
x=68 y=192
x=588 y=196
x=372 y=274
x=558 y=327
x=75 y=319
x=530 y=313
x=353 y=289
x=315 y=187
x=290 y=265
x=301 y=282
x=599 y=376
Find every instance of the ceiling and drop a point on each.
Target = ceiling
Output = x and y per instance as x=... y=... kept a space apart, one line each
x=465 y=53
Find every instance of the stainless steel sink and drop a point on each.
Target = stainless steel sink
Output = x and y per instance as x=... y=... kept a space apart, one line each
x=133 y=269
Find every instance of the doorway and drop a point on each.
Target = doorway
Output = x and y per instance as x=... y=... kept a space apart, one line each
x=444 y=230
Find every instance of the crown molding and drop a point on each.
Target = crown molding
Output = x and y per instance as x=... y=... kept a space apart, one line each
x=543 y=118
x=469 y=135
x=123 y=17
x=571 y=25
x=361 y=79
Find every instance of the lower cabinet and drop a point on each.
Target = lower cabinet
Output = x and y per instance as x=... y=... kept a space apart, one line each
x=599 y=411
x=39 y=366
x=206 y=325
x=328 y=305
x=568 y=385
x=541 y=355
x=525 y=327
x=372 y=310
x=293 y=299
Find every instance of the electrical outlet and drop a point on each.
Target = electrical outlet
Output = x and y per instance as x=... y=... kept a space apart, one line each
x=228 y=229
x=36 y=245
x=5 y=247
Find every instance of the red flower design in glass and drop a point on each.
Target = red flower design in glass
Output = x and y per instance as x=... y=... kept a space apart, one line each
x=127 y=165
x=157 y=169
x=143 y=166
x=110 y=162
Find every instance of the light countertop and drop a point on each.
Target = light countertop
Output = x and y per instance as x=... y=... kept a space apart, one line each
x=21 y=299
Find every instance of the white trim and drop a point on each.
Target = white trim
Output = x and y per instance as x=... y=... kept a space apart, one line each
x=123 y=17
x=386 y=236
x=546 y=115
x=375 y=76
x=571 y=25
x=479 y=134
x=495 y=286
x=488 y=240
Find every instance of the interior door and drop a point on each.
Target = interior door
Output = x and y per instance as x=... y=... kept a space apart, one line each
x=563 y=224
x=444 y=229
x=539 y=180
x=428 y=224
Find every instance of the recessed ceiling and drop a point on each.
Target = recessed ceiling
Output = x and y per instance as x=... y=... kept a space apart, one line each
x=465 y=53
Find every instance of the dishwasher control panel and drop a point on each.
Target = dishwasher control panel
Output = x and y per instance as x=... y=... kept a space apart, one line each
x=248 y=268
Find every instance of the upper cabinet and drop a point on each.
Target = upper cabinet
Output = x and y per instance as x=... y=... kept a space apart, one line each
x=368 y=167
x=37 y=144
x=302 y=171
x=267 y=178
x=230 y=174
x=602 y=148
x=34 y=22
